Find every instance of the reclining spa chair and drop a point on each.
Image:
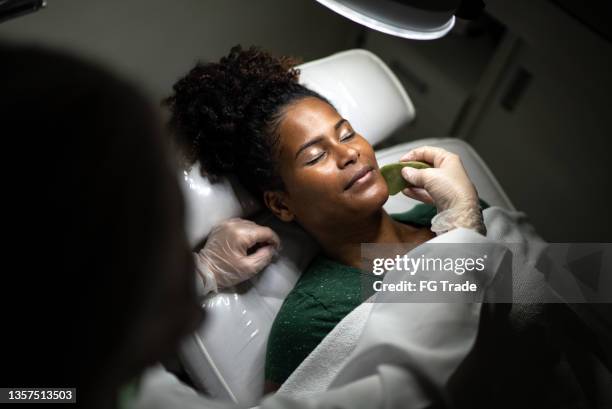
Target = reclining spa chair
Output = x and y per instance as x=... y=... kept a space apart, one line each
x=226 y=356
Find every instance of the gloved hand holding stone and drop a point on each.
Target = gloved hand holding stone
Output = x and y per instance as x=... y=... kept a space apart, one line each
x=447 y=186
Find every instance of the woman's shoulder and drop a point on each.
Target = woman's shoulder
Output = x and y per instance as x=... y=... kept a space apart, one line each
x=325 y=292
x=302 y=322
x=330 y=283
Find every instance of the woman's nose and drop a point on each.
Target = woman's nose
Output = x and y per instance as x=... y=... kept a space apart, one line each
x=346 y=155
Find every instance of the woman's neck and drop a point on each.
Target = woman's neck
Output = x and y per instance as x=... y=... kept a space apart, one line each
x=344 y=244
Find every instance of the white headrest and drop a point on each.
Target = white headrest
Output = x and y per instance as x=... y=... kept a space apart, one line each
x=361 y=87
x=207 y=204
x=363 y=90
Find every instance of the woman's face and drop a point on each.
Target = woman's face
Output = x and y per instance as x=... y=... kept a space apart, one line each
x=329 y=171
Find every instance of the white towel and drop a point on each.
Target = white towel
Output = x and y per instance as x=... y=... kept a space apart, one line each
x=319 y=369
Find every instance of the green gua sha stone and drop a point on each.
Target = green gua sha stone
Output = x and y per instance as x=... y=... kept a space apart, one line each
x=393 y=174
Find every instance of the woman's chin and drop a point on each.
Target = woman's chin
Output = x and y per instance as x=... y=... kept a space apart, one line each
x=374 y=200
x=380 y=194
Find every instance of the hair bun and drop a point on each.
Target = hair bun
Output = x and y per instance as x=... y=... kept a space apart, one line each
x=212 y=104
x=226 y=115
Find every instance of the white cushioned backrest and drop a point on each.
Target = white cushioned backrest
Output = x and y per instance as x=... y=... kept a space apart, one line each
x=207 y=203
x=226 y=356
x=363 y=90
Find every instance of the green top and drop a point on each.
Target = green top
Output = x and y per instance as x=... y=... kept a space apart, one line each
x=325 y=293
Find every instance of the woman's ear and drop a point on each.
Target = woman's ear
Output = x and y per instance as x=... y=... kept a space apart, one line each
x=277 y=203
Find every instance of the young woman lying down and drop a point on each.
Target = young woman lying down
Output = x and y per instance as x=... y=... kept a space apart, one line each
x=248 y=115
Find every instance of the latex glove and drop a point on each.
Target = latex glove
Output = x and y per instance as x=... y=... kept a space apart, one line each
x=235 y=251
x=447 y=186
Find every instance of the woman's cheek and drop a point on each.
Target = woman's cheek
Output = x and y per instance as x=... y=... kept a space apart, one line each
x=305 y=185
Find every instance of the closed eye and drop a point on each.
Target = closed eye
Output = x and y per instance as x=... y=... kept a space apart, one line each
x=315 y=160
x=348 y=136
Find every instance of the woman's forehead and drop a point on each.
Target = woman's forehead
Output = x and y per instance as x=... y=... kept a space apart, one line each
x=306 y=119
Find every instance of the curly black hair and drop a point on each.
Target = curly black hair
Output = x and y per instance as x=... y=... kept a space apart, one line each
x=225 y=115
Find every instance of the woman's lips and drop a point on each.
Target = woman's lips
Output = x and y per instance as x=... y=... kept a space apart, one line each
x=361 y=177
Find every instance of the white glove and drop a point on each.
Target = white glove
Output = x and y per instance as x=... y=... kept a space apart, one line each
x=447 y=186
x=235 y=251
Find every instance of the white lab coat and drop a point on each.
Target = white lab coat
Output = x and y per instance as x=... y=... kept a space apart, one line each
x=403 y=360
